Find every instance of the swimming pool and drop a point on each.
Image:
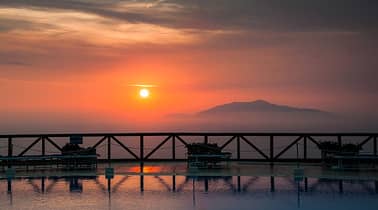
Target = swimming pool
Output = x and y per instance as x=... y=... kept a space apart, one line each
x=186 y=192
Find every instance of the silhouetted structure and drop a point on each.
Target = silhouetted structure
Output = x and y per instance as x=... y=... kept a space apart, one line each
x=342 y=156
x=81 y=157
x=203 y=155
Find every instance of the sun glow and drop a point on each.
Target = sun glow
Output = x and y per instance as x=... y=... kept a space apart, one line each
x=144 y=93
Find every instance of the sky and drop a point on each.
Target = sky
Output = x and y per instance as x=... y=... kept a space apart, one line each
x=79 y=60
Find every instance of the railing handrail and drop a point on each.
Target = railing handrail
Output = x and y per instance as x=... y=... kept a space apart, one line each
x=200 y=133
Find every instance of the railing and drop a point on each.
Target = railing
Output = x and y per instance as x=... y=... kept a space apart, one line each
x=140 y=152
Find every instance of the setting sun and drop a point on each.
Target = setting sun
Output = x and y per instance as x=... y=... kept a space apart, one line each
x=144 y=93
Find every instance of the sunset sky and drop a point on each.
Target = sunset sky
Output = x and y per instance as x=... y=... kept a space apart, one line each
x=83 y=59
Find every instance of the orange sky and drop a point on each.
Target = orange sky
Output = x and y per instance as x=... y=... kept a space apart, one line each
x=81 y=57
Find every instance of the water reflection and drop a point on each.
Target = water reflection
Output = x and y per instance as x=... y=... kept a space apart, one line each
x=240 y=184
x=198 y=189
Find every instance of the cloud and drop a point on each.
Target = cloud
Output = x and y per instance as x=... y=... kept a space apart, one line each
x=101 y=8
x=14 y=63
x=328 y=45
x=217 y=23
x=9 y=24
x=290 y=15
x=273 y=15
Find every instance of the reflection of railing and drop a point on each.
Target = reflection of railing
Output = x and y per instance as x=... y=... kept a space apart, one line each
x=271 y=154
x=239 y=184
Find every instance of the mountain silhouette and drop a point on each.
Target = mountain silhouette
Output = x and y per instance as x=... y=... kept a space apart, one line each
x=258 y=106
x=261 y=116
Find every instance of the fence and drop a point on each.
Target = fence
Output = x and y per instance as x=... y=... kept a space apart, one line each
x=271 y=149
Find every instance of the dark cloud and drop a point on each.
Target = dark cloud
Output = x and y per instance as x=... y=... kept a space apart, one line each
x=275 y=15
x=8 y=24
x=12 y=59
x=105 y=9
x=14 y=63
x=290 y=15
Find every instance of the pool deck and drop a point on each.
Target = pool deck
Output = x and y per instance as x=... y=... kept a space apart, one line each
x=180 y=169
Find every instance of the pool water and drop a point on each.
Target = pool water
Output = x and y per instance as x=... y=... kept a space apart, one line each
x=182 y=192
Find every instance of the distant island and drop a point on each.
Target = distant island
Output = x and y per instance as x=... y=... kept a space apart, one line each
x=258 y=115
x=257 y=106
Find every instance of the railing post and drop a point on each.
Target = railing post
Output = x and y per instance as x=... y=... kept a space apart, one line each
x=43 y=143
x=141 y=158
x=10 y=151
x=109 y=148
x=10 y=147
x=271 y=150
x=141 y=151
x=206 y=141
x=305 y=147
x=238 y=147
x=339 y=141
x=174 y=147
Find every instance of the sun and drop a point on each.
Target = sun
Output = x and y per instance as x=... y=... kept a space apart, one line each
x=144 y=93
